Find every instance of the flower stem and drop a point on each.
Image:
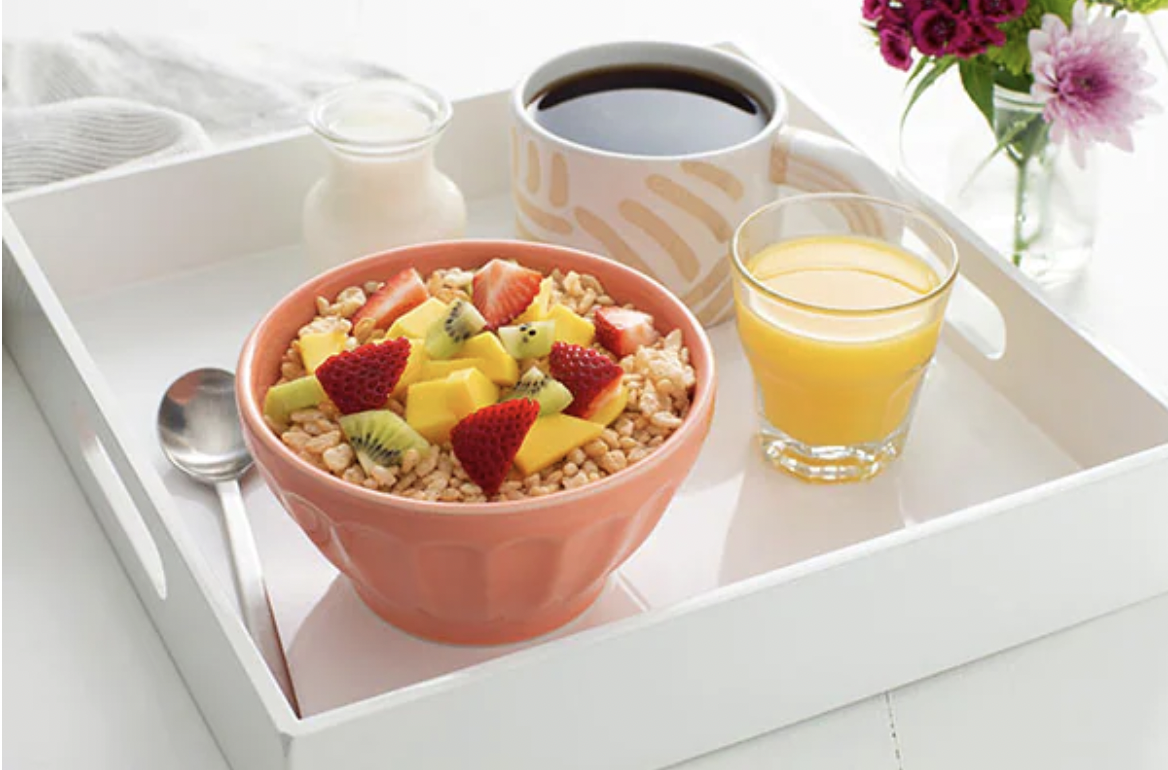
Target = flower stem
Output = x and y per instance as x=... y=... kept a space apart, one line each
x=1020 y=184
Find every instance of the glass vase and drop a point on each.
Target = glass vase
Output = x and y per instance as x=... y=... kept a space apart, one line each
x=1019 y=190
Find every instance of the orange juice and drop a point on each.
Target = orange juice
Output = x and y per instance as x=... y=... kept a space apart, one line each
x=839 y=363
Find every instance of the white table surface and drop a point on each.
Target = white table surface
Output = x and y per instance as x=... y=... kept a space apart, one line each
x=89 y=683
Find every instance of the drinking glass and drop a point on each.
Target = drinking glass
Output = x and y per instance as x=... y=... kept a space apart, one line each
x=839 y=300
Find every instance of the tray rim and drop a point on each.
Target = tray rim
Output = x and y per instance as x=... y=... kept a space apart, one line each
x=890 y=541
x=296 y=727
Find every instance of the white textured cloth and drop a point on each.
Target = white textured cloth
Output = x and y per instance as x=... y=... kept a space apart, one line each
x=88 y=102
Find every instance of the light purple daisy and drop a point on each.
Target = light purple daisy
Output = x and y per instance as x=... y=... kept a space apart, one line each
x=1088 y=78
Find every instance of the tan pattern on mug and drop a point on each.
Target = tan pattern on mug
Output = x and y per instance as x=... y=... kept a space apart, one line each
x=671 y=217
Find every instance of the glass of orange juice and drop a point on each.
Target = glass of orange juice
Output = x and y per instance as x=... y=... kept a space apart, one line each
x=839 y=300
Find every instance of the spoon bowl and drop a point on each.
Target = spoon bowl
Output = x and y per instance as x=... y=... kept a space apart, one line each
x=198 y=425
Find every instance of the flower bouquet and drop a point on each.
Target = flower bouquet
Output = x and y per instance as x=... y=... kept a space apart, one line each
x=1048 y=76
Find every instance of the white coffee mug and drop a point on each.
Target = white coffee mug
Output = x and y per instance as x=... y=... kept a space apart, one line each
x=671 y=217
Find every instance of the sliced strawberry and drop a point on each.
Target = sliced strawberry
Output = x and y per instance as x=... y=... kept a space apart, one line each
x=503 y=290
x=362 y=379
x=401 y=294
x=589 y=374
x=622 y=330
x=487 y=440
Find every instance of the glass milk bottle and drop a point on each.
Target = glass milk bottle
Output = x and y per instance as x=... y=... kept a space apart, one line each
x=382 y=188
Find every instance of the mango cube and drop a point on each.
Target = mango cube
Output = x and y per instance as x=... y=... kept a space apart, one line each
x=413 y=371
x=539 y=307
x=440 y=370
x=551 y=438
x=611 y=408
x=469 y=390
x=316 y=347
x=428 y=410
x=418 y=321
x=499 y=367
x=570 y=327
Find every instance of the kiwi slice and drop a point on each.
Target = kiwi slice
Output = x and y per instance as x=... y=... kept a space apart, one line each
x=380 y=436
x=447 y=336
x=551 y=394
x=288 y=397
x=529 y=340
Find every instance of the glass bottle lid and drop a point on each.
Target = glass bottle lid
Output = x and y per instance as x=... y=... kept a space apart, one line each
x=378 y=116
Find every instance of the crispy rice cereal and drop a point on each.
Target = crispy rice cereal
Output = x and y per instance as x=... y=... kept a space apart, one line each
x=659 y=380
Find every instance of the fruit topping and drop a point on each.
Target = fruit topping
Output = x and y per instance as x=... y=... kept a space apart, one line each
x=401 y=294
x=486 y=441
x=418 y=321
x=362 y=379
x=622 y=330
x=551 y=439
x=532 y=340
x=534 y=384
x=540 y=306
x=282 y=400
x=446 y=337
x=503 y=290
x=317 y=347
x=440 y=370
x=609 y=405
x=497 y=364
x=428 y=410
x=415 y=367
x=380 y=436
x=589 y=374
x=469 y=390
x=571 y=327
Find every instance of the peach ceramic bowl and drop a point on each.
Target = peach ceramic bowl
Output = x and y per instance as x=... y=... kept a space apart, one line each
x=482 y=573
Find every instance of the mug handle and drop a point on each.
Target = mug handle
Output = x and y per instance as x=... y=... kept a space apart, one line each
x=813 y=162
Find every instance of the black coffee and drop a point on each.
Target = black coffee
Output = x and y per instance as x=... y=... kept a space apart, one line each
x=646 y=110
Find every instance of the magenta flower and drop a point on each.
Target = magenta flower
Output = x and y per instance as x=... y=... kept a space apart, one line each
x=1088 y=78
x=998 y=11
x=873 y=9
x=939 y=31
x=914 y=7
x=896 y=47
x=982 y=35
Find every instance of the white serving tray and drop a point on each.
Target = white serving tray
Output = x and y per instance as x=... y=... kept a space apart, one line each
x=1032 y=496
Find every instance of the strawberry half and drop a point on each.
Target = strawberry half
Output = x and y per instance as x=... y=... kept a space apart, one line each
x=503 y=290
x=487 y=440
x=589 y=374
x=362 y=379
x=622 y=330
x=401 y=294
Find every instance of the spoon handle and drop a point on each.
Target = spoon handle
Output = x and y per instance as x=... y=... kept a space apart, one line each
x=250 y=588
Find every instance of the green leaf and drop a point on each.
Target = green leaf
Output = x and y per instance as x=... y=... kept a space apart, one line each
x=940 y=67
x=978 y=80
x=917 y=70
x=1062 y=8
x=1019 y=83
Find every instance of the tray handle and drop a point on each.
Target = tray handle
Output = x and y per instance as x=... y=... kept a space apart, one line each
x=110 y=475
x=977 y=318
x=221 y=666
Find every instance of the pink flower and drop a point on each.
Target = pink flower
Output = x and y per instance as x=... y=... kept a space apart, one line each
x=1088 y=78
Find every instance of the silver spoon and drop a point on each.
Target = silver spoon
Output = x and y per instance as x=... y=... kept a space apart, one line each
x=198 y=426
